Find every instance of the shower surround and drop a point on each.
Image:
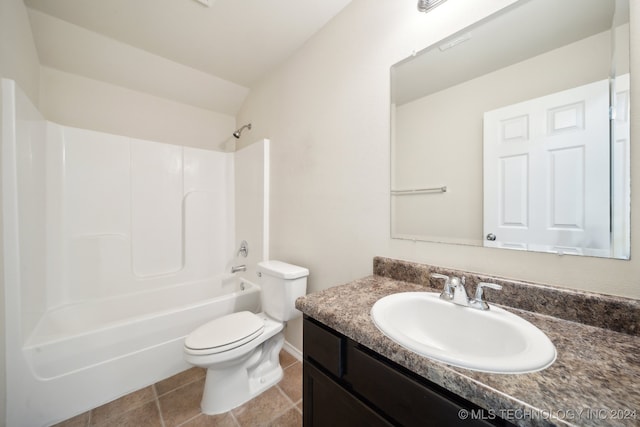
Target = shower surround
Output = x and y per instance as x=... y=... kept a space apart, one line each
x=115 y=248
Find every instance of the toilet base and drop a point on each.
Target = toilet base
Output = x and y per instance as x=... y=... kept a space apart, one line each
x=229 y=387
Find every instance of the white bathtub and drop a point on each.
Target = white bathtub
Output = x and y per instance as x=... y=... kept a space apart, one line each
x=84 y=355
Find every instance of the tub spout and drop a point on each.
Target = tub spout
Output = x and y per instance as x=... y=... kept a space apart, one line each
x=237 y=268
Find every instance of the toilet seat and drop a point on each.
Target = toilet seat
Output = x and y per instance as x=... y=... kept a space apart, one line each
x=225 y=333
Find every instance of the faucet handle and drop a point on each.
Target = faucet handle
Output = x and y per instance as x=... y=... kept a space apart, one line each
x=482 y=285
x=447 y=279
x=447 y=292
x=244 y=249
x=440 y=276
x=480 y=293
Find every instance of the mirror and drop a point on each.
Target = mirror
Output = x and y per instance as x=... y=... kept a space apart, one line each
x=503 y=135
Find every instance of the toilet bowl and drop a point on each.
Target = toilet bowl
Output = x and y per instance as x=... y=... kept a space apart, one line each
x=241 y=350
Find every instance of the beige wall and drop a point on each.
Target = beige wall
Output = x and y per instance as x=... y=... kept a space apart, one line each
x=326 y=111
x=77 y=101
x=18 y=61
x=91 y=81
x=18 y=56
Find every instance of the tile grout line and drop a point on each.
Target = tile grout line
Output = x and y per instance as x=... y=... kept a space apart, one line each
x=155 y=393
x=190 y=419
x=295 y=360
x=235 y=420
x=122 y=412
x=295 y=404
x=277 y=414
x=289 y=365
x=201 y=414
x=284 y=411
x=178 y=388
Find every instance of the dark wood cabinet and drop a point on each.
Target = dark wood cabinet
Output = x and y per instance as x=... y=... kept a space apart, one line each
x=326 y=403
x=346 y=384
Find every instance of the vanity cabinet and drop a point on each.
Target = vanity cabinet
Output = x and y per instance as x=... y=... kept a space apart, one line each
x=346 y=384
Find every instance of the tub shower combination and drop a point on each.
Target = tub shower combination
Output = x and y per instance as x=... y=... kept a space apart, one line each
x=115 y=249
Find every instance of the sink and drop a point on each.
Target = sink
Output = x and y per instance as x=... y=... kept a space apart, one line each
x=494 y=340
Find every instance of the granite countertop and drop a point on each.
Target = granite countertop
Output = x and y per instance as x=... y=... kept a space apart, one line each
x=594 y=381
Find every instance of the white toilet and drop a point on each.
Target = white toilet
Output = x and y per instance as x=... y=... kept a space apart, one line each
x=240 y=350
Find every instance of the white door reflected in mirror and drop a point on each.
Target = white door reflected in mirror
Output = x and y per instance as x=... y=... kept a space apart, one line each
x=547 y=173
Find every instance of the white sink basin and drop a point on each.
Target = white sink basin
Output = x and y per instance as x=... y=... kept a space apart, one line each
x=495 y=340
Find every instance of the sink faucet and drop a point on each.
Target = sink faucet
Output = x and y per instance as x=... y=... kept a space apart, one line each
x=460 y=296
x=235 y=269
x=455 y=292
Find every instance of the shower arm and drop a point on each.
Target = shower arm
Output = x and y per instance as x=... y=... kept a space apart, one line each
x=238 y=132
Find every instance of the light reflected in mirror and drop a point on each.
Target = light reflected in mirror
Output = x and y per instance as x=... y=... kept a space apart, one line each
x=503 y=135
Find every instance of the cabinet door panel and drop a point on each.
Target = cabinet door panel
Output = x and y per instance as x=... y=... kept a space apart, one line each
x=326 y=403
x=323 y=346
x=407 y=401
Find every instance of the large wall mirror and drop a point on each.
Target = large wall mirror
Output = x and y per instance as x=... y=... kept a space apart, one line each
x=514 y=133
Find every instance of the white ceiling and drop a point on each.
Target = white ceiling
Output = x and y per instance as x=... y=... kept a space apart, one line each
x=146 y=44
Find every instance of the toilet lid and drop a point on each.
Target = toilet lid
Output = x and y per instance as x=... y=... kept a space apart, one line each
x=226 y=332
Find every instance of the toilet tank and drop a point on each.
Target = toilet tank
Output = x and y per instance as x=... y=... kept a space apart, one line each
x=281 y=285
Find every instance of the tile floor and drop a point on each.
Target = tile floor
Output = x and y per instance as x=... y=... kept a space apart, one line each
x=175 y=401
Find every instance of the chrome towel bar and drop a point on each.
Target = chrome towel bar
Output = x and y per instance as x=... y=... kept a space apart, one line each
x=419 y=191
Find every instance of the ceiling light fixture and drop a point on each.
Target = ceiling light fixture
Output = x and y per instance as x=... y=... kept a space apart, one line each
x=427 y=5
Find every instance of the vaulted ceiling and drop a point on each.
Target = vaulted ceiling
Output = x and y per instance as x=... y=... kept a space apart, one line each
x=207 y=56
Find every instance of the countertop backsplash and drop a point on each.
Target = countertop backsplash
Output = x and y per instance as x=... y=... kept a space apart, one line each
x=604 y=311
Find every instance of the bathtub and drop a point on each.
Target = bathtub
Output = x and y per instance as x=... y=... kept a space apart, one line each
x=83 y=355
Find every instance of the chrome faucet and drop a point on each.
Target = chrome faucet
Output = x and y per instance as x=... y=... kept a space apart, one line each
x=460 y=296
x=478 y=300
x=235 y=269
x=455 y=292
x=447 y=292
x=244 y=249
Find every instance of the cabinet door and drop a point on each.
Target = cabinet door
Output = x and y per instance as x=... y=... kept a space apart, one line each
x=326 y=403
x=323 y=347
x=407 y=401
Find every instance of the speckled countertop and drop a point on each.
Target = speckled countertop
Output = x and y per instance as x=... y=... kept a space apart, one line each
x=595 y=380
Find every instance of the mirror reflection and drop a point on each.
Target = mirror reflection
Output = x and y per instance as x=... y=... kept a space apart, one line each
x=514 y=133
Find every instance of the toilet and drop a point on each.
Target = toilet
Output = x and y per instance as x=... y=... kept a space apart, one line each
x=241 y=350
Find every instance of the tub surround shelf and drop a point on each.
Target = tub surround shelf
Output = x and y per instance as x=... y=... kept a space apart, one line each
x=593 y=382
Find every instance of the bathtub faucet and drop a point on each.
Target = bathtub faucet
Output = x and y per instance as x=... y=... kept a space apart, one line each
x=235 y=269
x=244 y=249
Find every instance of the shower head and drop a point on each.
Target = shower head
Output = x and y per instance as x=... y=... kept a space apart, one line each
x=237 y=133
